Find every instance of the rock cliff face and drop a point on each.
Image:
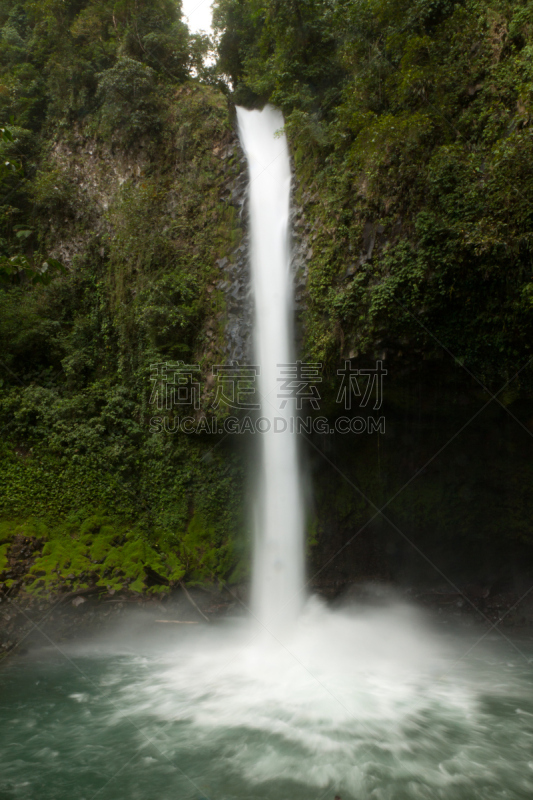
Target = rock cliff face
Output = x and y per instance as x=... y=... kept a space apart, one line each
x=236 y=285
x=100 y=177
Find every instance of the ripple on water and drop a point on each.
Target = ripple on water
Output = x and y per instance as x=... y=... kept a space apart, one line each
x=367 y=704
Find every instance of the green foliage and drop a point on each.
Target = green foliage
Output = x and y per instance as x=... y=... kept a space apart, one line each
x=282 y=51
x=61 y=60
x=20 y=265
x=16 y=265
x=149 y=487
x=97 y=553
x=4 y=548
x=128 y=99
x=202 y=552
x=7 y=167
x=53 y=192
x=77 y=352
x=101 y=555
x=411 y=129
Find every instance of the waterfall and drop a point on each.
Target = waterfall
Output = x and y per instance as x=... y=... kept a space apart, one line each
x=278 y=552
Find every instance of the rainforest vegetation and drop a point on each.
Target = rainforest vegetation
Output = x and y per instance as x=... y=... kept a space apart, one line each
x=410 y=126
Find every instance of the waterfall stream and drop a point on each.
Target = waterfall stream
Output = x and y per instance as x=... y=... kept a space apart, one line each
x=278 y=554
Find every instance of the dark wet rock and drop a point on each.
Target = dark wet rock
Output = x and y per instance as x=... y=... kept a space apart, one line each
x=153 y=578
x=236 y=281
x=466 y=604
x=27 y=622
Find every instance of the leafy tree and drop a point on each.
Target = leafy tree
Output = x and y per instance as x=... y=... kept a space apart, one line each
x=410 y=126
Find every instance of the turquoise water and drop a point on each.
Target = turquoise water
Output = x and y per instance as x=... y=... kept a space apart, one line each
x=366 y=705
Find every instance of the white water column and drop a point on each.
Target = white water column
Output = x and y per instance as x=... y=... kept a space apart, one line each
x=278 y=570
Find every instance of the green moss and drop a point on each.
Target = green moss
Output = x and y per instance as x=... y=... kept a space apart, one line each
x=206 y=557
x=31 y=527
x=104 y=555
x=4 y=548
